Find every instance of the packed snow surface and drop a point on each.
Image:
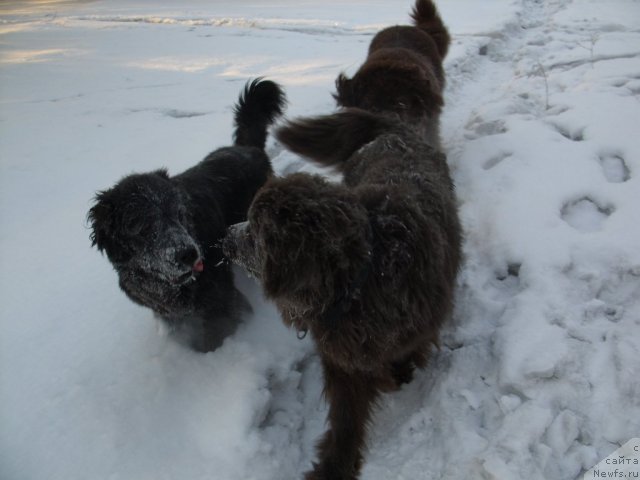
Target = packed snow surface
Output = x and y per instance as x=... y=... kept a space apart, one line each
x=538 y=373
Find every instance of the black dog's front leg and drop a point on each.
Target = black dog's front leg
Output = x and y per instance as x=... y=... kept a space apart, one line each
x=351 y=397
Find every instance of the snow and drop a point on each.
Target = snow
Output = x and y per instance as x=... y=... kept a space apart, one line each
x=537 y=377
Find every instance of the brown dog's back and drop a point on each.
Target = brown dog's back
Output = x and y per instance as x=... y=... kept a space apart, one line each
x=403 y=71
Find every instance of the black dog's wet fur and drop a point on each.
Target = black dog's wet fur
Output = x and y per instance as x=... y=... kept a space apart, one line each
x=155 y=228
x=366 y=266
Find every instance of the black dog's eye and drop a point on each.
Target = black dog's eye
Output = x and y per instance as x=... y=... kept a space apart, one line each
x=134 y=225
x=182 y=215
x=119 y=255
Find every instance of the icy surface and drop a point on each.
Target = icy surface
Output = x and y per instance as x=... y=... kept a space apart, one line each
x=537 y=377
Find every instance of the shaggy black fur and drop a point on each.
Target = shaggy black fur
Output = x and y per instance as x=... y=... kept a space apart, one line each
x=367 y=266
x=161 y=233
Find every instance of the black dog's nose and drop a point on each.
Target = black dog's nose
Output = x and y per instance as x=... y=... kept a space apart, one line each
x=187 y=256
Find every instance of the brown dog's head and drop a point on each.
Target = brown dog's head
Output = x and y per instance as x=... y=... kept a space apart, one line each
x=403 y=74
x=305 y=240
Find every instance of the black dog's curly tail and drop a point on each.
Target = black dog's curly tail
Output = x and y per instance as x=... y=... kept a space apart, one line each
x=331 y=139
x=260 y=103
x=426 y=17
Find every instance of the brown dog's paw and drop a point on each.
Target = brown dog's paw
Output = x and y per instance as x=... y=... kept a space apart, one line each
x=315 y=474
x=402 y=372
x=312 y=475
x=321 y=472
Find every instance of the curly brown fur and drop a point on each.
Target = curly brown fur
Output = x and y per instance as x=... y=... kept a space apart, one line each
x=161 y=233
x=366 y=266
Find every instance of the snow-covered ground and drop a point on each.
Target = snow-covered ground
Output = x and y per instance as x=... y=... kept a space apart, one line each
x=538 y=375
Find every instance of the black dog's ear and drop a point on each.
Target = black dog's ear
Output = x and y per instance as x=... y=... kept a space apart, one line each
x=162 y=172
x=345 y=95
x=101 y=218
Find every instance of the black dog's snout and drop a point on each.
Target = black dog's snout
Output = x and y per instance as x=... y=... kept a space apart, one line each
x=187 y=256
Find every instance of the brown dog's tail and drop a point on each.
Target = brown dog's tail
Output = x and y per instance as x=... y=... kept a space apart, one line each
x=426 y=17
x=332 y=139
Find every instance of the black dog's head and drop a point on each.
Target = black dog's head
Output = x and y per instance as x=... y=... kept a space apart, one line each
x=306 y=240
x=144 y=227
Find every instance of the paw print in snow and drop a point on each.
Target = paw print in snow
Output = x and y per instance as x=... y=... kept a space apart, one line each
x=585 y=214
x=614 y=168
x=573 y=134
x=495 y=160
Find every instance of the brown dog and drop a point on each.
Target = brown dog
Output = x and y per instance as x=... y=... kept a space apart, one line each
x=367 y=266
x=403 y=72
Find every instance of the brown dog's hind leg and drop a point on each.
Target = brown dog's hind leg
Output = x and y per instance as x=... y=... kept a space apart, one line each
x=351 y=398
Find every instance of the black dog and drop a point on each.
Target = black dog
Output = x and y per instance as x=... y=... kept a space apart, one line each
x=366 y=266
x=161 y=233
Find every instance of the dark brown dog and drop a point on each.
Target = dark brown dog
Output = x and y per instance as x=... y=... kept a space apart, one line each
x=367 y=266
x=403 y=71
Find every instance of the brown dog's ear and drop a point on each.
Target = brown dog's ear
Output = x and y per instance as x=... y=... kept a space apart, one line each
x=275 y=279
x=345 y=95
x=101 y=218
x=295 y=272
x=308 y=231
x=284 y=264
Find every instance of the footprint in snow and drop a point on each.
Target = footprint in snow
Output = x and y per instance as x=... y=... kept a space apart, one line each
x=557 y=110
x=174 y=113
x=575 y=135
x=585 y=215
x=506 y=281
x=478 y=128
x=495 y=160
x=614 y=168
